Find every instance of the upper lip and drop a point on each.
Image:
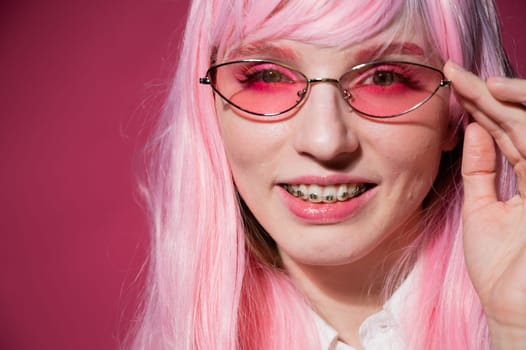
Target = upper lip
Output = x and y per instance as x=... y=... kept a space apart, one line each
x=325 y=180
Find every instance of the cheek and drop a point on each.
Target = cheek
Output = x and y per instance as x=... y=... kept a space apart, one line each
x=236 y=139
x=410 y=156
x=423 y=164
x=252 y=147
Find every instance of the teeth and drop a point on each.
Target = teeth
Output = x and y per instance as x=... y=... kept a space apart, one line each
x=315 y=194
x=343 y=192
x=326 y=194
x=303 y=192
x=329 y=194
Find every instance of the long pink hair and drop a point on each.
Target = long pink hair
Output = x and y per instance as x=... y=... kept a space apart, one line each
x=205 y=288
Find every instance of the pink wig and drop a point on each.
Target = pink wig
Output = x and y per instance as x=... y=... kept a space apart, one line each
x=206 y=289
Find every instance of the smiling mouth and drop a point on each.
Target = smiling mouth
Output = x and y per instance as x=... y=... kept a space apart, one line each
x=326 y=194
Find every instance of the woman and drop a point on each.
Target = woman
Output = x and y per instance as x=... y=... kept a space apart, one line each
x=314 y=197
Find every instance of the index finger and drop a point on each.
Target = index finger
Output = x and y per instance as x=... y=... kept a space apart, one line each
x=505 y=121
x=508 y=89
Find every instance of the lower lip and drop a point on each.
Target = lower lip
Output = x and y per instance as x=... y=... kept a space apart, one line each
x=325 y=213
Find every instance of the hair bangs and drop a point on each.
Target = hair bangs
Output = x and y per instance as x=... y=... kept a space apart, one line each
x=327 y=23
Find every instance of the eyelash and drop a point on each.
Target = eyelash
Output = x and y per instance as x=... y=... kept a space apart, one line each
x=249 y=73
x=401 y=74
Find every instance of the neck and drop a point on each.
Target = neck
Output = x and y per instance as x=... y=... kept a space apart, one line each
x=345 y=295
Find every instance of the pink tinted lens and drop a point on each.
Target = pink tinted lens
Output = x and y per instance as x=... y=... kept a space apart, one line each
x=260 y=87
x=389 y=89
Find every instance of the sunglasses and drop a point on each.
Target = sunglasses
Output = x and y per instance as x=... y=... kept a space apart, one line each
x=269 y=90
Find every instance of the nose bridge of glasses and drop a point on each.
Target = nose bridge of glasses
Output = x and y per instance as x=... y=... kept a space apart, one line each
x=324 y=80
x=345 y=93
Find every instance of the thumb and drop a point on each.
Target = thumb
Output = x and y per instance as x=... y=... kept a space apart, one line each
x=478 y=168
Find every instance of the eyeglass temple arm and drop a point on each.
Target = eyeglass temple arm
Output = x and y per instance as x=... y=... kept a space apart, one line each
x=204 y=80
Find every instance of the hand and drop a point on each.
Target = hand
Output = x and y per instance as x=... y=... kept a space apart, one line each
x=494 y=230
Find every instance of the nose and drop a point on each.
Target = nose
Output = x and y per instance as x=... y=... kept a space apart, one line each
x=324 y=130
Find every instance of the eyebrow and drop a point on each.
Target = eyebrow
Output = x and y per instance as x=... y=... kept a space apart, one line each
x=269 y=50
x=402 y=48
x=263 y=49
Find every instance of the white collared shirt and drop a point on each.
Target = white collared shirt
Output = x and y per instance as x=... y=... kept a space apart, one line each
x=380 y=331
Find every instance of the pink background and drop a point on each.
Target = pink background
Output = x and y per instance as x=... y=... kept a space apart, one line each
x=80 y=85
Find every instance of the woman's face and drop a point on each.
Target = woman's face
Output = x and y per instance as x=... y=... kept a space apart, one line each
x=323 y=145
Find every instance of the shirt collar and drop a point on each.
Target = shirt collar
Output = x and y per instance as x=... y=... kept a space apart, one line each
x=380 y=331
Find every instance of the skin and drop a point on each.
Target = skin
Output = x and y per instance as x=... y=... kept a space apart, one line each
x=336 y=264
x=495 y=231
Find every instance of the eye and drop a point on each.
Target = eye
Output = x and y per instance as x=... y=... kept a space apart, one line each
x=272 y=76
x=383 y=77
x=387 y=75
x=267 y=73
